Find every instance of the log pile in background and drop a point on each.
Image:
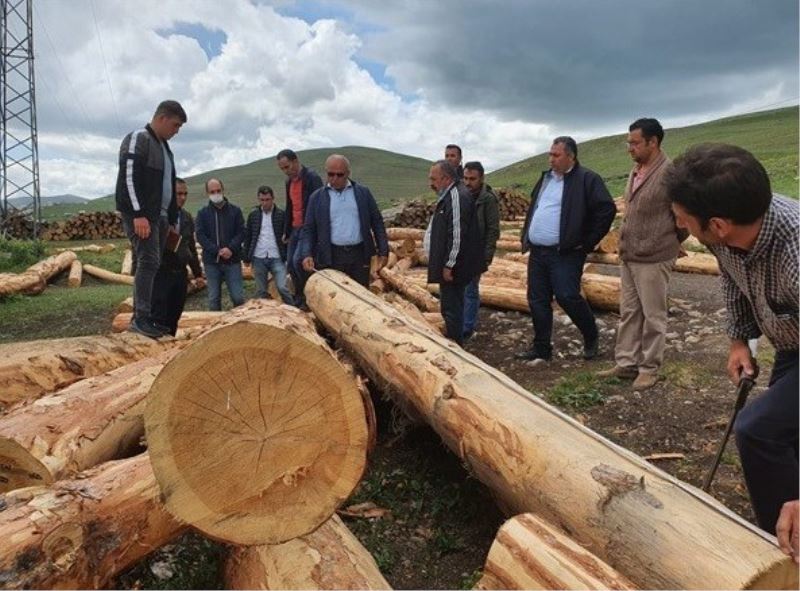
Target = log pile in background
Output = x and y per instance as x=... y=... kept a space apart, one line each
x=18 y=223
x=86 y=226
x=416 y=213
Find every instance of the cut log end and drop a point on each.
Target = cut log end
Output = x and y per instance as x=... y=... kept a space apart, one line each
x=19 y=468
x=267 y=416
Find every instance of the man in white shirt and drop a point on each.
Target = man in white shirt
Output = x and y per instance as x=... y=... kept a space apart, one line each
x=263 y=247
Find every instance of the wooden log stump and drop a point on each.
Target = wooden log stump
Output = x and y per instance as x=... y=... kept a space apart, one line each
x=106 y=275
x=656 y=530
x=75 y=274
x=255 y=431
x=330 y=557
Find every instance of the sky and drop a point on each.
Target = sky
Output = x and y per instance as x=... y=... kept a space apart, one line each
x=499 y=77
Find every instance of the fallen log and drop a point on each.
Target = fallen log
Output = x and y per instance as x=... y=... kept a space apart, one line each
x=403 y=248
x=261 y=408
x=191 y=319
x=609 y=243
x=417 y=294
x=656 y=530
x=75 y=274
x=125 y=305
x=27 y=283
x=109 y=276
x=529 y=553
x=99 y=248
x=403 y=233
x=433 y=320
x=514 y=245
x=80 y=533
x=330 y=557
x=127 y=263
x=697 y=262
x=53 y=265
x=32 y=368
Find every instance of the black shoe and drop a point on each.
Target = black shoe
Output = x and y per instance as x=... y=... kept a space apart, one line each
x=467 y=335
x=532 y=354
x=162 y=327
x=591 y=348
x=145 y=328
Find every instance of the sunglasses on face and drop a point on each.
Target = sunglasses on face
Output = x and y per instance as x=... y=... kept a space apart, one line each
x=338 y=175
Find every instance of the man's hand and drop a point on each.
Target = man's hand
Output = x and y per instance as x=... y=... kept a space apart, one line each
x=200 y=282
x=225 y=253
x=788 y=529
x=741 y=362
x=141 y=226
x=447 y=275
x=381 y=264
x=308 y=264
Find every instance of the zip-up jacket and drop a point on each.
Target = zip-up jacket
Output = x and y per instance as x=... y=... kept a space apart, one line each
x=487 y=214
x=220 y=227
x=252 y=231
x=176 y=261
x=311 y=182
x=454 y=239
x=140 y=180
x=587 y=210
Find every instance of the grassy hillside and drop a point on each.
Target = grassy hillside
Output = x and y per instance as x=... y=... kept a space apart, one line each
x=770 y=135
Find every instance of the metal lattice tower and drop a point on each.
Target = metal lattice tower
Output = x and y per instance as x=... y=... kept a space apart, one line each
x=19 y=152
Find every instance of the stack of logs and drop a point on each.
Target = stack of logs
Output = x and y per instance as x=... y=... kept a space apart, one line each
x=513 y=205
x=17 y=224
x=86 y=226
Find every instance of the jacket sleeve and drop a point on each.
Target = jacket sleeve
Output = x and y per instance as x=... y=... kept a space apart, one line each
x=492 y=213
x=308 y=233
x=377 y=225
x=194 y=260
x=204 y=236
x=133 y=156
x=287 y=219
x=601 y=212
x=455 y=227
x=238 y=232
x=314 y=182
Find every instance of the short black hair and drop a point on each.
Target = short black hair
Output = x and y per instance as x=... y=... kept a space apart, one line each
x=719 y=181
x=179 y=180
x=447 y=169
x=475 y=165
x=213 y=178
x=288 y=154
x=569 y=144
x=171 y=109
x=265 y=189
x=649 y=128
x=454 y=147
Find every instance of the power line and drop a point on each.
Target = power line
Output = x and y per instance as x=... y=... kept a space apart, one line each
x=105 y=67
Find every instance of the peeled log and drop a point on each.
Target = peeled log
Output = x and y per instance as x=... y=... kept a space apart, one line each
x=418 y=295
x=28 y=283
x=80 y=533
x=255 y=431
x=32 y=368
x=191 y=319
x=330 y=557
x=127 y=263
x=53 y=265
x=609 y=243
x=697 y=262
x=125 y=305
x=109 y=276
x=508 y=244
x=403 y=233
x=75 y=274
x=656 y=530
x=529 y=553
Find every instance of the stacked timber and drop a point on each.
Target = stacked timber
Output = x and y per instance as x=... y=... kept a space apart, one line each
x=513 y=204
x=18 y=223
x=86 y=226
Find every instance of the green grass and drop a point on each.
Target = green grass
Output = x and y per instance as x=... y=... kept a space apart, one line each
x=578 y=391
x=18 y=255
x=687 y=374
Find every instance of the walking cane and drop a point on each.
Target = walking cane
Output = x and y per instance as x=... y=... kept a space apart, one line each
x=746 y=384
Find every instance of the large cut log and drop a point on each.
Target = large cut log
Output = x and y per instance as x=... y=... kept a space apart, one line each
x=256 y=432
x=529 y=553
x=28 y=283
x=417 y=294
x=75 y=274
x=80 y=533
x=32 y=368
x=191 y=319
x=89 y=422
x=106 y=275
x=330 y=557
x=53 y=265
x=403 y=233
x=127 y=263
x=656 y=530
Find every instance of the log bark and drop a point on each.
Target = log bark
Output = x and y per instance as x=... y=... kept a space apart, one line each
x=529 y=553
x=80 y=533
x=417 y=294
x=189 y=319
x=27 y=283
x=656 y=530
x=53 y=265
x=433 y=320
x=33 y=368
x=403 y=233
x=75 y=274
x=330 y=557
x=127 y=263
x=255 y=431
x=106 y=275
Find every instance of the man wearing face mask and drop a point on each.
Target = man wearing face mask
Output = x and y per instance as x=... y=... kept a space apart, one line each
x=220 y=231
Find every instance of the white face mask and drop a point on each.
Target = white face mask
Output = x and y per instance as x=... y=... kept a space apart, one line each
x=216 y=198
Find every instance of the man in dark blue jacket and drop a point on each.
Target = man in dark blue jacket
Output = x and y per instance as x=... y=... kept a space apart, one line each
x=263 y=247
x=220 y=231
x=570 y=212
x=343 y=227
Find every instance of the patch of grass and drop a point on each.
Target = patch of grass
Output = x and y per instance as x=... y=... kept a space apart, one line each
x=686 y=374
x=18 y=255
x=579 y=390
x=731 y=458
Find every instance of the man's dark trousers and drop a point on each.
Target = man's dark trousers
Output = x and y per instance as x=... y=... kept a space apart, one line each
x=551 y=273
x=350 y=261
x=147 y=253
x=295 y=267
x=451 y=300
x=767 y=436
x=169 y=297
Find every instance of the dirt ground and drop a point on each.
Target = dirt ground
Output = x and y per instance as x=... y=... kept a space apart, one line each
x=439 y=521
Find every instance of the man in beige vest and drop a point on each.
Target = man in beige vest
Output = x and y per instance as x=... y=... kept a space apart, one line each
x=648 y=246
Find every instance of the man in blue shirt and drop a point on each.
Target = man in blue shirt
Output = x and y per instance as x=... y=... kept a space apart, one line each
x=343 y=228
x=570 y=212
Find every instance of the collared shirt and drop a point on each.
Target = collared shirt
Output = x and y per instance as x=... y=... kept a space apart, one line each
x=761 y=286
x=296 y=196
x=166 y=191
x=345 y=223
x=545 y=227
x=266 y=246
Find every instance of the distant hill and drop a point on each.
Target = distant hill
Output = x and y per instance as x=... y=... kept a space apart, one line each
x=20 y=202
x=770 y=135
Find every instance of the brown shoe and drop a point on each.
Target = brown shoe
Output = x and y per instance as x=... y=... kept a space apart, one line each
x=645 y=381
x=625 y=373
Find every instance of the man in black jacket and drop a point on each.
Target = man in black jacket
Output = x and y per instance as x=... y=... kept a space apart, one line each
x=169 y=291
x=453 y=245
x=263 y=247
x=145 y=196
x=301 y=182
x=570 y=212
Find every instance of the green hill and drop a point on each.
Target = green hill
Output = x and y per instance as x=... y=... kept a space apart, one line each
x=770 y=135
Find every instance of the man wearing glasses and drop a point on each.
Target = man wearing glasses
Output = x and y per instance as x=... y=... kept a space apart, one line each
x=343 y=227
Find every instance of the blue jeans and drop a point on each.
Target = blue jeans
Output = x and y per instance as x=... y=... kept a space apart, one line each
x=261 y=270
x=552 y=273
x=231 y=273
x=472 y=302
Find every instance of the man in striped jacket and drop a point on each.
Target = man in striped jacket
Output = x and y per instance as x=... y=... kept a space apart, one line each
x=145 y=196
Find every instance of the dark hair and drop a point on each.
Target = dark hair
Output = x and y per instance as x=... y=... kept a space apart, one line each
x=569 y=144
x=265 y=189
x=447 y=169
x=719 y=181
x=179 y=180
x=474 y=166
x=171 y=109
x=288 y=154
x=221 y=186
x=454 y=147
x=649 y=128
